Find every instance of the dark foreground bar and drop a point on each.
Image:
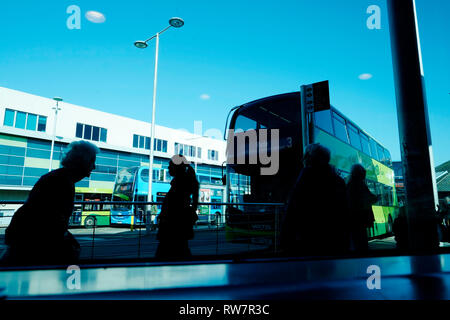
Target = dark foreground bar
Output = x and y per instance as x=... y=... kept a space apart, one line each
x=405 y=278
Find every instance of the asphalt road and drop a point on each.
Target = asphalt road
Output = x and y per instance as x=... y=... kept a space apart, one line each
x=110 y=243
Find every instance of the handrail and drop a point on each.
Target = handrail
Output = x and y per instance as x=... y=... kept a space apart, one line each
x=218 y=237
x=276 y=204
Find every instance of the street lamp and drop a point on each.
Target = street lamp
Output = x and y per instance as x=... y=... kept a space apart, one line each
x=56 y=108
x=176 y=23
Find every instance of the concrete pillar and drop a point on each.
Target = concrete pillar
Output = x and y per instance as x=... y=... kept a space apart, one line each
x=413 y=123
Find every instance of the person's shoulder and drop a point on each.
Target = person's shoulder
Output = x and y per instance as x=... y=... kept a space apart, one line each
x=59 y=176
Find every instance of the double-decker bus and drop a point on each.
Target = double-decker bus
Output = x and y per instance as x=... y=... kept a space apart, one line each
x=211 y=211
x=297 y=127
x=91 y=214
x=132 y=184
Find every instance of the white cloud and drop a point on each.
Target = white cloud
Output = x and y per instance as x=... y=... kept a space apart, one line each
x=95 y=16
x=205 y=96
x=365 y=76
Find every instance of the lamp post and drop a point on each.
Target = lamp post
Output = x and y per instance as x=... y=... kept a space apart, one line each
x=176 y=23
x=56 y=108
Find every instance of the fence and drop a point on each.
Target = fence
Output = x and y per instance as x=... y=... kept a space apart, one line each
x=244 y=229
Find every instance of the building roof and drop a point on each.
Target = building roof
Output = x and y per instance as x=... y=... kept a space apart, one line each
x=443 y=183
x=444 y=167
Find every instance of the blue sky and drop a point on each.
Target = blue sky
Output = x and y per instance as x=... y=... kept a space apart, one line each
x=228 y=52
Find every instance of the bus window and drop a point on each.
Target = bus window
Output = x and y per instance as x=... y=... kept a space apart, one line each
x=243 y=124
x=159 y=199
x=322 y=119
x=216 y=180
x=204 y=179
x=354 y=136
x=78 y=197
x=161 y=175
x=365 y=144
x=372 y=187
x=144 y=175
x=380 y=154
x=373 y=150
x=339 y=127
x=387 y=157
x=387 y=196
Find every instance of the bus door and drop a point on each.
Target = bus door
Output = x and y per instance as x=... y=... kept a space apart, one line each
x=75 y=218
x=139 y=209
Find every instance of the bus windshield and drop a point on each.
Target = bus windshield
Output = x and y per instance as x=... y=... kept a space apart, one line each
x=278 y=112
x=123 y=189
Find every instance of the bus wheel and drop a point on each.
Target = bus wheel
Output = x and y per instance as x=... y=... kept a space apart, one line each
x=89 y=222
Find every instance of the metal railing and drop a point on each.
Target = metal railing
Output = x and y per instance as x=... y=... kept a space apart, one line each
x=240 y=229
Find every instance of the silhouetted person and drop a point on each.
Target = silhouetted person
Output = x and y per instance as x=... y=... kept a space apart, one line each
x=177 y=216
x=316 y=216
x=38 y=232
x=400 y=229
x=360 y=201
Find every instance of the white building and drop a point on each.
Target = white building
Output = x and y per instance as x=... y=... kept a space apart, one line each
x=26 y=133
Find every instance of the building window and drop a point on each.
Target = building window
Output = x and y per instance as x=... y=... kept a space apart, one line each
x=23 y=120
x=88 y=132
x=95 y=133
x=187 y=150
x=9 y=118
x=42 y=123
x=142 y=142
x=31 y=122
x=79 y=132
x=103 y=134
x=213 y=155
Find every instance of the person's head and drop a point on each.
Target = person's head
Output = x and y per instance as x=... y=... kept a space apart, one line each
x=80 y=159
x=316 y=155
x=358 y=173
x=177 y=164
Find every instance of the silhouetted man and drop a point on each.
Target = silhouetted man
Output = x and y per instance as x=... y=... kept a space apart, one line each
x=316 y=218
x=38 y=232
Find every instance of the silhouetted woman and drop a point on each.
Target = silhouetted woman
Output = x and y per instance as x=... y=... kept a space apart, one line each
x=360 y=201
x=178 y=211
